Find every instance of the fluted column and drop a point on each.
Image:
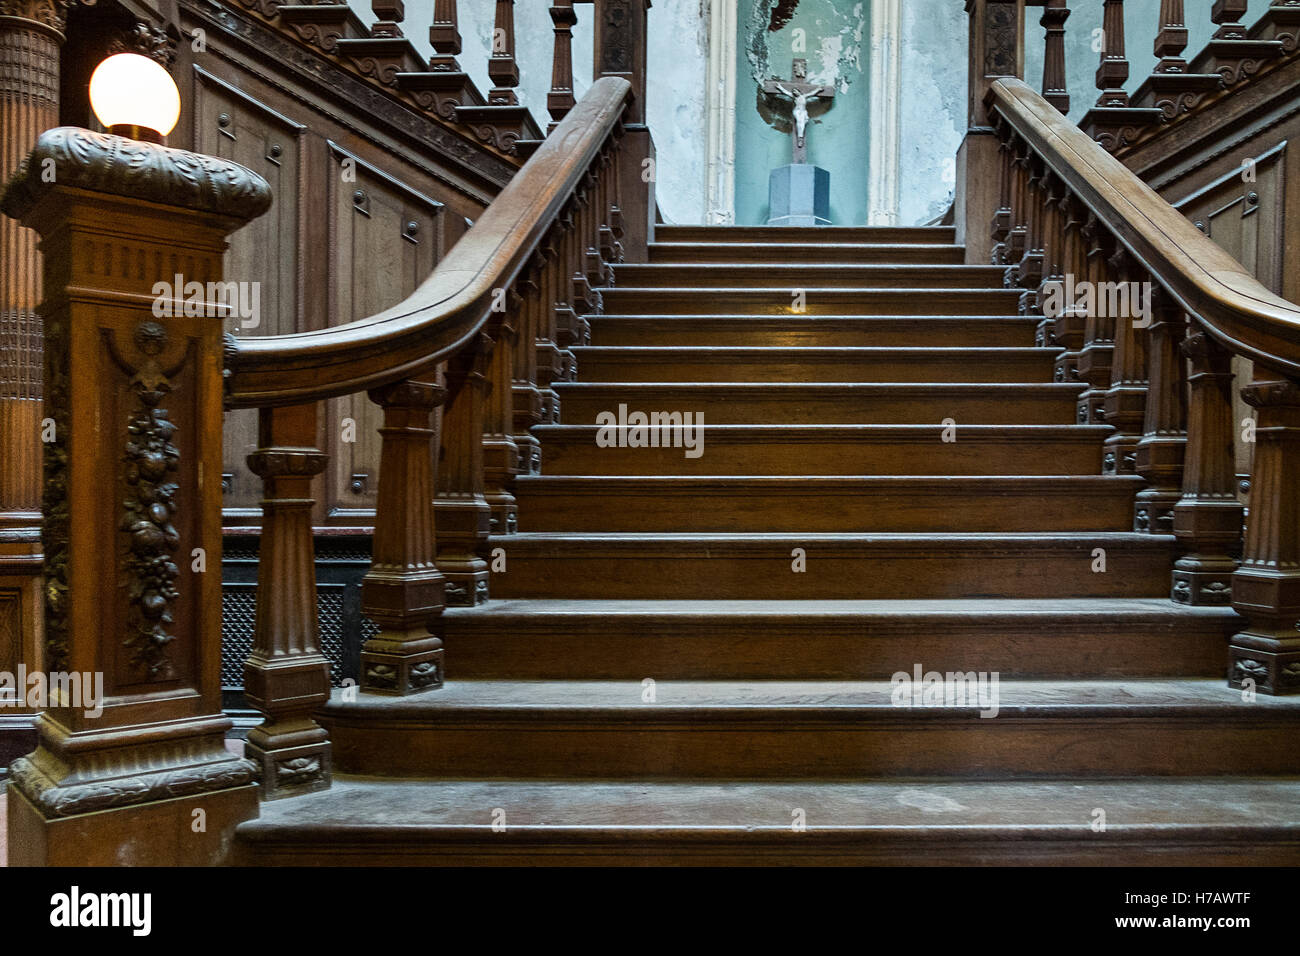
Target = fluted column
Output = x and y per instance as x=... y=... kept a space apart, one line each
x=1055 y=91
x=1112 y=71
x=1266 y=587
x=404 y=592
x=286 y=677
x=1207 y=519
x=502 y=68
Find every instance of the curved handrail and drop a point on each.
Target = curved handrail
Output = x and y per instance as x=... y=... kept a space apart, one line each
x=1203 y=279
x=453 y=303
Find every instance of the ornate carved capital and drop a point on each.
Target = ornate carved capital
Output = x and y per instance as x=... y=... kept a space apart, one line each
x=100 y=162
x=52 y=14
x=147 y=40
x=1272 y=394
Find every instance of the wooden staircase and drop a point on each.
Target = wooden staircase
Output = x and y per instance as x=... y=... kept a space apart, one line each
x=685 y=658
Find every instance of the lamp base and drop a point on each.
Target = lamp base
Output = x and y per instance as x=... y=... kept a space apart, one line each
x=142 y=133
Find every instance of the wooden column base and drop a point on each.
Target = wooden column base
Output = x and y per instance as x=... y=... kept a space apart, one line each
x=292 y=757
x=162 y=833
x=400 y=665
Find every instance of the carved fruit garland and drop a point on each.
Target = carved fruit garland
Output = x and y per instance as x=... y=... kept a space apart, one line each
x=150 y=506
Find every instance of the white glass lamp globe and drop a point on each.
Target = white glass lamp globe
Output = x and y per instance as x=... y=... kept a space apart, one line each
x=134 y=96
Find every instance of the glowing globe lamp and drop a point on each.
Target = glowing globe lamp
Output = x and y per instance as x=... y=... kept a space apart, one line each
x=134 y=96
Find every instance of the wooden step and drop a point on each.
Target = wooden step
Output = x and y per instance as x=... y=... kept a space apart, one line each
x=906 y=331
x=836 y=403
x=826 y=504
x=848 y=252
x=795 y=450
x=819 y=730
x=594 y=566
x=833 y=275
x=788 y=235
x=775 y=364
x=1150 y=822
x=834 y=640
x=780 y=300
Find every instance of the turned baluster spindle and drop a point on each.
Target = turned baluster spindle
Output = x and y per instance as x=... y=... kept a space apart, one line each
x=1266 y=586
x=1125 y=402
x=545 y=347
x=1160 y=451
x=1001 y=226
x=460 y=507
x=1227 y=14
x=500 y=453
x=1112 y=72
x=1171 y=41
x=1207 y=518
x=1069 y=323
x=444 y=33
x=1096 y=357
x=390 y=14
x=526 y=399
x=404 y=592
x=502 y=68
x=1055 y=91
x=286 y=676
x=560 y=99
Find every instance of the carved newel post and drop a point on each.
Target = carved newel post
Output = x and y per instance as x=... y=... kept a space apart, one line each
x=132 y=504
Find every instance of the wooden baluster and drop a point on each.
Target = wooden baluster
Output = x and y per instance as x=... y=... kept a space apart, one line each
x=1018 y=237
x=460 y=508
x=567 y=303
x=1207 y=518
x=444 y=33
x=286 y=676
x=1112 y=72
x=403 y=592
x=1097 y=356
x=1030 y=273
x=616 y=225
x=1055 y=91
x=1125 y=406
x=550 y=365
x=527 y=398
x=1052 y=245
x=502 y=69
x=1160 y=451
x=1002 y=217
x=1266 y=587
x=1227 y=14
x=1171 y=41
x=560 y=99
x=389 y=14
x=500 y=453
x=1070 y=323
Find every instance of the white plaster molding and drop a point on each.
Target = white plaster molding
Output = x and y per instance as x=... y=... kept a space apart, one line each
x=886 y=96
x=720 y=148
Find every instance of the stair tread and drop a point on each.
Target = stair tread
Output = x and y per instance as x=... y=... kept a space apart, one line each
x=832 y=700
x=919 y=609
x=395 y=811
x=1072 y=482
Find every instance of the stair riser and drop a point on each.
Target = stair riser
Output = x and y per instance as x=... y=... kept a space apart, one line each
x=534 y=745
x=918 y=301
x=754 y=332
x=580 y=406
x=720 y=574
x=784 y=236
x=723 y=456
x=613 y=365
x=694 y=253
x=801 y=650
x=841 y=276
x=793 y=510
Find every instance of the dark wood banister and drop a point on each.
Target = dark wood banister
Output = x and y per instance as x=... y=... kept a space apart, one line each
x=453 y=304
x=1203 y=279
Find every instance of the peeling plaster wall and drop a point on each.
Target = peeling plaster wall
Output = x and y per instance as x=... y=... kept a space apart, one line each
x=932 y=120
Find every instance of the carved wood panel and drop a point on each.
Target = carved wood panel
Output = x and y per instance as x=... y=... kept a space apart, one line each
x=264 y=256
x=384 y=240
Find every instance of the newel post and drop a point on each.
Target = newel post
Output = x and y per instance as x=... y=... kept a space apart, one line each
x=620 y=50
x=1266 y=587
x=132 y=504
x=997 y=49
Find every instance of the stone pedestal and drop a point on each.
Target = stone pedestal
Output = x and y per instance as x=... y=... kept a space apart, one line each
x=799 y=195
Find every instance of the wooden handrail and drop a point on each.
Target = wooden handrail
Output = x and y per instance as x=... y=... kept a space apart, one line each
x=1203 y=279
x=453 y=304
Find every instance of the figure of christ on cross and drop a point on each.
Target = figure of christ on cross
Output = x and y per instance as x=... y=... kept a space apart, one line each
x=800 y=92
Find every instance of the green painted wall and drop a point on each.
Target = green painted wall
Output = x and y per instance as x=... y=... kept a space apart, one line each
x=836 y=38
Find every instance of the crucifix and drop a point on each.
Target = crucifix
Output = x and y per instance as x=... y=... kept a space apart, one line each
x=800 y=92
